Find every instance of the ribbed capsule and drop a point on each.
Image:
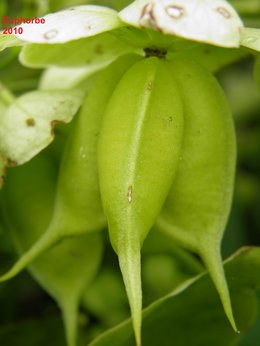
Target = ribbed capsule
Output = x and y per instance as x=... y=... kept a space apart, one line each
x=78 y=208
x=139 y=148
x=197 y=208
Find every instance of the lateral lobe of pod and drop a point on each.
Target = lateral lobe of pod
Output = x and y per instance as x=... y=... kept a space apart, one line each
x=196 y=210
x=138 y=152
x=78 y=208
x=59 y=271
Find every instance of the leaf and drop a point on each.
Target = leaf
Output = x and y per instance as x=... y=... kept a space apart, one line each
x=28 y=124
x=212 y=57
x=103 y=48
x=70 y=76
x=168 y=320
x=214 y=22
x=71 y=24
x=251 y=38
x=9 y=41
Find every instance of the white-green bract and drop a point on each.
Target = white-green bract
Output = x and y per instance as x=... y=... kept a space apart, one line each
x=27 y=125
x=74 y=23
x=211 y=21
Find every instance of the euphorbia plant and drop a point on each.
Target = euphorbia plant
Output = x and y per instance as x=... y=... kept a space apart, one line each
x=154 y=140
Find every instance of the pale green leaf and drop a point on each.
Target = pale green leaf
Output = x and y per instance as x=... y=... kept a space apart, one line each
x=28 y=124
x=9 y=41
x=214 y=22
x=251 y=38
x=101 y=49
x=70 y=76
x=212 y=57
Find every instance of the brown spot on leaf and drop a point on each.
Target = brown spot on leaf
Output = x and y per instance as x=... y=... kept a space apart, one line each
x=30 y=122
x=53 y=125
x=11 y=163
x=175 y=11
x=50 y=34
x=223 y=12
x=147 y=17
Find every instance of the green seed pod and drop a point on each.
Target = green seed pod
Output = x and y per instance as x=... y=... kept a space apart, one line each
x=139 y=148
x=66 y=269
x=78 y=207
x=198 y=205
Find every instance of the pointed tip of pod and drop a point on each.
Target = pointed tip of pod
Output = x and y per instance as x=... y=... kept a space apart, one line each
x=213 y=262
x=130 y=265
x=69 y=308
x=44 y=243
